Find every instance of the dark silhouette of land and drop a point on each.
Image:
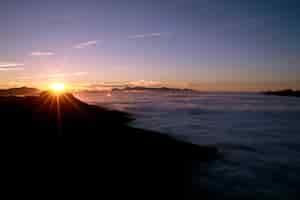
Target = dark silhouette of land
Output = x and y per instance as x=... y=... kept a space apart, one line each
x=22 y=91
x=99 y=153
x=288 y=92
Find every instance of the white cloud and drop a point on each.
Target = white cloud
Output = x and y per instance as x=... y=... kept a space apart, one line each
x=79 y=73
x=86 y=44
x=11 y=66
x=146 y=35
x=7 y=64
x=42 y=53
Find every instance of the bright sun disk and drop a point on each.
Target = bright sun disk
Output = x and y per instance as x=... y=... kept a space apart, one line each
x=58 y=87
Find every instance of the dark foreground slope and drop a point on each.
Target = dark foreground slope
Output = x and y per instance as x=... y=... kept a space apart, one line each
x=99 y=153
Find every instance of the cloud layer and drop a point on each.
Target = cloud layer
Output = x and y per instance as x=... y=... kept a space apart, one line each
x=11 y=66
x=146 y=35
x=86 y=44
x=42 y=53
x=7 y=66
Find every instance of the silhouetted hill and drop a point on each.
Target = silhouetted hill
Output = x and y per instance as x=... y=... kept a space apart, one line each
x=288 y=92
x=99 y=152
x=159 y=89
x=22 y=91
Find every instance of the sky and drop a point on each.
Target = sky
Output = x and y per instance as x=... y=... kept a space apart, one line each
x=199 y=44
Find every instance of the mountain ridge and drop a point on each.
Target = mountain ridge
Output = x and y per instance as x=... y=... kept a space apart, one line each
x=160 y=89
x=19 y=91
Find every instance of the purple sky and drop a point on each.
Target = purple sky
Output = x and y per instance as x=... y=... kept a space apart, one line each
x=208 y=44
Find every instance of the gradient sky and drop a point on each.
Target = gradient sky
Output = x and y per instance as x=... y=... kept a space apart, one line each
x=202 y=44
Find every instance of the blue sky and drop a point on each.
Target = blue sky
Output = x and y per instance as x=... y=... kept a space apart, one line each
x=179 y=42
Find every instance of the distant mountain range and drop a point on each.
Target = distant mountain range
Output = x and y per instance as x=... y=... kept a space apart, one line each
x=27 y=91
x=159 y=89
x=288 y=92
x=22 y=91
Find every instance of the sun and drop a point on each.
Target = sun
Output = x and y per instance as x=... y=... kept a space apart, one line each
x=57 y=87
